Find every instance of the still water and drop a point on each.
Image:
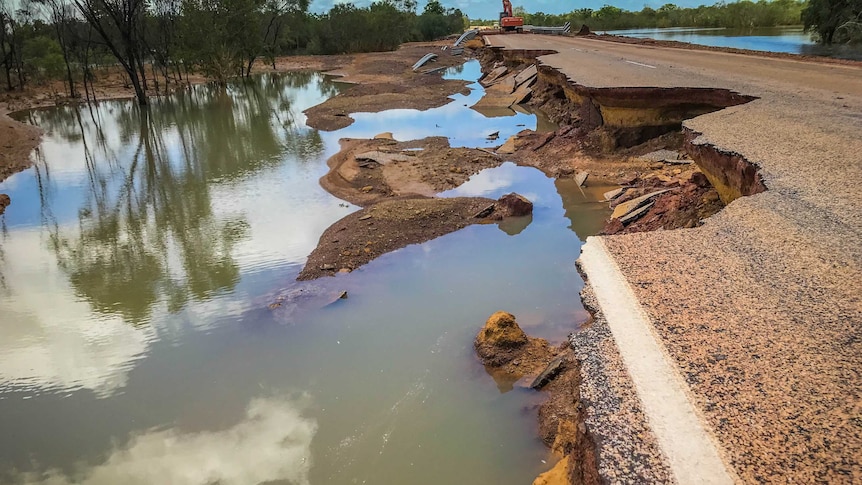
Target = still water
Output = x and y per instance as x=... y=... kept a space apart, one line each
x=138 y=260
x=789 y=39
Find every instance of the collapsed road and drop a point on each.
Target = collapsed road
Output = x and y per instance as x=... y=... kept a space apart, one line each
x=731 y=351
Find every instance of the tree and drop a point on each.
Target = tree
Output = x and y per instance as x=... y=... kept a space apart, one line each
x=830 y=17
x=120 y=25
x=61 y=15
x=434 y=8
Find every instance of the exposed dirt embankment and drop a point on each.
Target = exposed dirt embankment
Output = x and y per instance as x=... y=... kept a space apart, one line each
x=17 y=140
x=730 y=173
x=386 y=80
x=509 y=355
x=614 y=134
x=386 y=226
x=396 y=183
x=627 y=116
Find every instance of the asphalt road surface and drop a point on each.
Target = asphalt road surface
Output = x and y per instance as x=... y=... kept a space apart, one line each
x=754 y=320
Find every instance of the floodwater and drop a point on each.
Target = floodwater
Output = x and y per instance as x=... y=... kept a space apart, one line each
x=789 y=39
x=141 y=252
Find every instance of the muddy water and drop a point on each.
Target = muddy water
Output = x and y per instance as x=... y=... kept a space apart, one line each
x=137 y=262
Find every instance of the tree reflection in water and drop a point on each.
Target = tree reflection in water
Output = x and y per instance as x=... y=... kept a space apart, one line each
x=147 y=229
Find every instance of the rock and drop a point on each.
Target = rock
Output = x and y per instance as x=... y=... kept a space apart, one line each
x=628 y=180
x=382 y=157
x=509 y=146
x=328 y=267
x=506 y=85
x=5 y=200
x=526 y=75
x=493 y=75
x=522 y=93
x=551 y=371
x=613 y=194
x=631 y=216
x=485 y=212
x=386 y=135
x=514 y=205
x=367 y=189
x=581 y=177
x=343 y=295
x=500 y=335
x=699 y=179
x=544 y=139
x=626 y=207
x=661 y=156
x=365 y=217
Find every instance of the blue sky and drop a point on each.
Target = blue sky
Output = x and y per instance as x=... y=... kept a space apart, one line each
x=490 y=8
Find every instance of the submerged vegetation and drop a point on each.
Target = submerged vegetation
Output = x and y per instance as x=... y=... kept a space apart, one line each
x=161 y=41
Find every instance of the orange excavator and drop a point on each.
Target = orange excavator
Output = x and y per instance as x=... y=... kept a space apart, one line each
x=508 y=22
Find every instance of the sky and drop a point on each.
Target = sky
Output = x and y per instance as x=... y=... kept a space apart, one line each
x=489 y=9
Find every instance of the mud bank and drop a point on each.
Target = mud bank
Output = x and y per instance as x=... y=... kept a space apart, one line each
x=18 y=140
x=396 y=183
x=367 y=171
x=509 y=355
x=386 y=80
x=388 y=225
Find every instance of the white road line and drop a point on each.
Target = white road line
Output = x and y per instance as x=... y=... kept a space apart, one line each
x=639 y=64
x=686 y=441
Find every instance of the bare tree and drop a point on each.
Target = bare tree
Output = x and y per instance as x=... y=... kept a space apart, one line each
x=61 y=14
x=120 y=25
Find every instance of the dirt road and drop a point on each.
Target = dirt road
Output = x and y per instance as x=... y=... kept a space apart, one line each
x=742 y=338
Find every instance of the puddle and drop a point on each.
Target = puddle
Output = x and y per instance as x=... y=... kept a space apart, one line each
x=137 y=262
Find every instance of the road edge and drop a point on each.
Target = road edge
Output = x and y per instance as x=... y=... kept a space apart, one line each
x=685 y=440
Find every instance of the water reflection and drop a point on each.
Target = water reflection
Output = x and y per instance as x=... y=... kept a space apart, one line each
x=463 y=127
x=146 y=227
x=137 y=265
x=271 y=443
x=787 y=39
x=130 y=212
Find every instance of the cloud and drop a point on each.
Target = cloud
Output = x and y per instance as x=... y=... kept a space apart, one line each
x=272 y=442
x=49 y=336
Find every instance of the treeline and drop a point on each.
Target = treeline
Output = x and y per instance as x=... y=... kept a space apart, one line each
x=834 y=21
x=742 y=14
x=157 y=42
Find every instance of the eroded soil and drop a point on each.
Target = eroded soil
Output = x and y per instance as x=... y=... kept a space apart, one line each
x=386 y=226
x=367 y=171
x=509 y=355
x=385 y=80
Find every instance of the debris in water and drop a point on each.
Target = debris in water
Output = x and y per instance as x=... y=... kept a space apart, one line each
x=626 y=207
x=581 y=178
